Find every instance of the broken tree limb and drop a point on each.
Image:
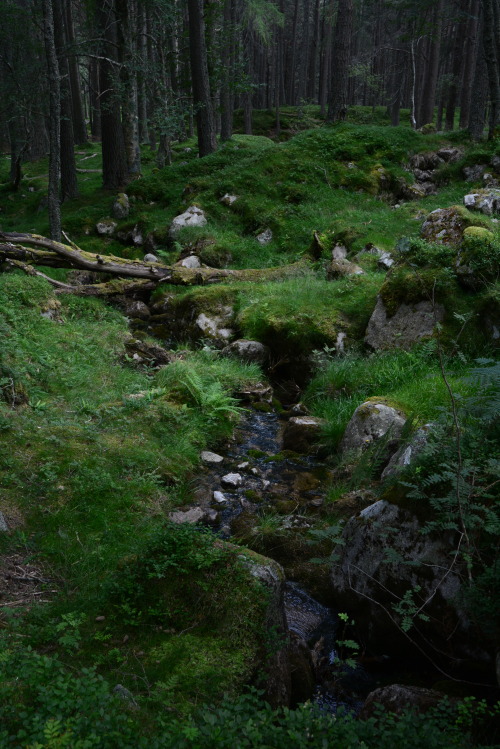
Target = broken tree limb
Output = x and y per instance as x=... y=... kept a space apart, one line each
x=47 y=252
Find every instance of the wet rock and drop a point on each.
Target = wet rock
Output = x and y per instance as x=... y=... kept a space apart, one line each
x=343 y=268
x=121 y=206
x=474 y=173
x=298 y=409
x=368 y=584
x=407 y=453
x=370 y=422
x=194 y=216
x=106 y=227
x=265 y=237
x=144 y=352
x=260 y=392
x=212 y=458
x=444 y=226
x=150 y=258
x=397 y=698
x=484 y=201
x=132 y=308
x=302 y=433
x=228 y=199
x=231 y=480
x=192 y=261
x=303 y=678
x=248 y=351
x=410 y=323
x=194 y=515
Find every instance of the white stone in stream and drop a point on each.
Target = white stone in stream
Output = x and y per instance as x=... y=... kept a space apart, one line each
x=232 y=480
x=244 y=465
x=209 y=457
x=219 y=497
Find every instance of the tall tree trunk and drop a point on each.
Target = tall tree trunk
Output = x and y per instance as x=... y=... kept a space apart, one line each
x=337 y=104
x=226 y=94
x=491 y=51
x=479 y=96
x=54 y=203
x=456 y=69
x=205 y=121
x=471 y=52
x=429 y=93
x=69 y=182
x=114 y=162
x=94 y=99
x=127 y=18
x=77 y=113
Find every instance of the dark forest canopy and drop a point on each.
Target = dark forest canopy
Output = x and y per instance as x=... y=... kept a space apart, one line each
x=128 y=72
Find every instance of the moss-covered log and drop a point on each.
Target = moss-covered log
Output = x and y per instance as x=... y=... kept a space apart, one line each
x=47 y=252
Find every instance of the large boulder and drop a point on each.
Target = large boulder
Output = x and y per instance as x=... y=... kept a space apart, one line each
x=444 y=226
x=134 y=309
x=422 y=570
x=484 y=201
x=194 y=216
x=410 y=324
x=248 y=351
x=407 y=453
x=370 y=422
x=121 y=206
x=215 y=327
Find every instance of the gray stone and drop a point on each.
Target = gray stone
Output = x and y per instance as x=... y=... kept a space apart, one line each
x=136 y=236
x=106 y=227
x=193 y=515
x=231 y=480
x=385 y=261
x=265 y=237
x=194 y=216
x=495 y=162
x=397 y=698
x=133 y=308
x=150 y=258
x=450 y=154
x=209 y=457
x=248 y=351
x=228 y=199
x=121 y=206
x=302 y=433
x=260 y=392
x=342 y=268
x=4 y=528
x=470 y=200
x=339 y=252
x=214 y=327
x=370 y=422
x=192 y=261
x=486 y=201
x=444 y=226
x=144 y=352
x=408 y=325
x=474 y=173
x=426 y=161
x=408 y=452
x=219 y=497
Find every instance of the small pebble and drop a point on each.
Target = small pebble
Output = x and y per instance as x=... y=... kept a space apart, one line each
x=232 y=480
x=100 y=618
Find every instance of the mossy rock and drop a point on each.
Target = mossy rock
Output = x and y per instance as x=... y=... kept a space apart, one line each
x=478 y=233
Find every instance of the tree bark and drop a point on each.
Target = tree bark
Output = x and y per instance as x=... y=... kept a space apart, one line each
x=54 y=203
x=341 y=59
x=205 y=121
x=78 y=118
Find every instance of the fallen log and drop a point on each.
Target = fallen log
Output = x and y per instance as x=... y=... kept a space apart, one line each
x=52 y=254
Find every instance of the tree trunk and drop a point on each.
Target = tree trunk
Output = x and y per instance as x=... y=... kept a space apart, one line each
x=491 y=51
x=337 y=104
x=471 y=52
x=127 y=23
x=205 y=121
x=479 y=97
x=54 y=203
x=429 y=93
x=77 y=114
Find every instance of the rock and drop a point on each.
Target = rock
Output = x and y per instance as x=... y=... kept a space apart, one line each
x=126 y=695
x=121 y=206
x=260 y=392
x=450 y=154
x=209 y=457
x=426 y=161
x=368 y=584
x=407 y=453
x=277 y=681
x=106 y=227
x=228 y=199
x=193 y=515
x=352 y=503
x=370 y=422
x=339 y=252
x=408 y=325
x=397 y=698
x=52 y=310
x=4 y=528
x=147 y=353
x=474 y=173
x=194 y=216
x=410 y=192
x=132 y=308
x=301 y=433
x=385 y=261
x=150 y=258
x=136 y=236
x=342 y=268
x=485 y=201
x=444 y=226
x=219 y=497
x=301 y=671
x=231 y=480
x=421 y=176
x=248 y=351
x=298 y=409
x=214 y=327
x=265 y=237
x=192 y=261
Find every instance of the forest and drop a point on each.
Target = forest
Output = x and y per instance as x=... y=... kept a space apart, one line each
x=249 y=374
